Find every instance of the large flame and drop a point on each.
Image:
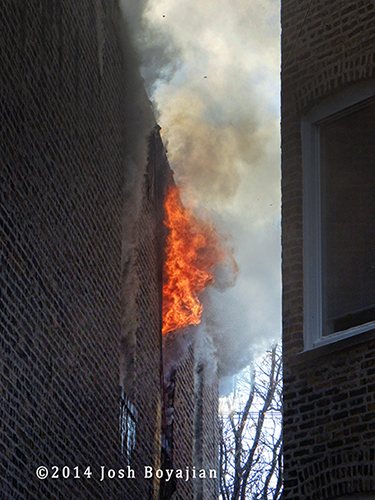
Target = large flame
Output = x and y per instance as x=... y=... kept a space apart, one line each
x=192 y=252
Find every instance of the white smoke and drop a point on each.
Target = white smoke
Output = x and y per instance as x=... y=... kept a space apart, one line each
x=212 y=71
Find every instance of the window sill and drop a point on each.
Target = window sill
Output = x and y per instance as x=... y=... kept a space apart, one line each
x=335 y=345
x=345 y=334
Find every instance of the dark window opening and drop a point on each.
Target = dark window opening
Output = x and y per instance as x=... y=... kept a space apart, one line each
x=354 y=319
x=167 y=488
x=347 y=145
x=128 y=421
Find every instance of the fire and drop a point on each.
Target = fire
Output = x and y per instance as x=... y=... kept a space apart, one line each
x=192 y=251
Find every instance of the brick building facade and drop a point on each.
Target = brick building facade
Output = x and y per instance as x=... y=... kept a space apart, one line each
x=328 y=210
x=82 y=173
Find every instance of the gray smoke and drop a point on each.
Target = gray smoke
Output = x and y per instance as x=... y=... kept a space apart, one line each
x=212 y=74
x=159 y=55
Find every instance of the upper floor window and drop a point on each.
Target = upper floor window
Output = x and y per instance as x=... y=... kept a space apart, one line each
x=338 y=140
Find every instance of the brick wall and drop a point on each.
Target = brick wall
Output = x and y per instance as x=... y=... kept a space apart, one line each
x=82 y=176
x=195 y=414
x=329 y=425
x=329 y=415
x=71 y=110
x=207 y=488
x=183 y=453
x=147 y=383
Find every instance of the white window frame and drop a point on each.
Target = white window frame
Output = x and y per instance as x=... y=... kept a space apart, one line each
x=312 y=254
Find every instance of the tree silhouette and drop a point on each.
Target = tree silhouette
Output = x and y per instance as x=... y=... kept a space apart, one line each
x=250 y=433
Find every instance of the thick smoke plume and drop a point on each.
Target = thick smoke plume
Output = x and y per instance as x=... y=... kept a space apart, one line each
x=211 y=69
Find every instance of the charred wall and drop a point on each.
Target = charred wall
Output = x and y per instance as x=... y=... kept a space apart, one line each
x=329 y=392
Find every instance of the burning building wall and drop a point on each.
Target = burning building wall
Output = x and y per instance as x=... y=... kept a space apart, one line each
x=83 y=173
x=328 y=91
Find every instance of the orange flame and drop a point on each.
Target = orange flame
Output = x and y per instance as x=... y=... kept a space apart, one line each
x=192 y=252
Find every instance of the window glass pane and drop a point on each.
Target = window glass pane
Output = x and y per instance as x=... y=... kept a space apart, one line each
x=348 y=220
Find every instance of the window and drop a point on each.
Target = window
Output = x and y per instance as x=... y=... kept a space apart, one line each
x=338 y=150
x=128 y=421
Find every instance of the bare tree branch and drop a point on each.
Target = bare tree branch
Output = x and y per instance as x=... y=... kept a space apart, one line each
x=250 y=436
